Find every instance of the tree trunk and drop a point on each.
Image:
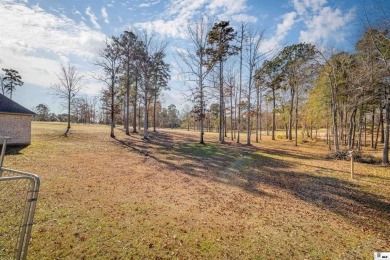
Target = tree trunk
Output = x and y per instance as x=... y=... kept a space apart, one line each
x=128 y=102
x=290 y=120
x=112 y=108
x=382 y=125
x=221 y=112
x=334 y=116
x=273 y=113
x=154 y=112
x=10 y=91
x=377 y=135
x=257 y=113
x=225 y=123
x=235 y=115
x=124 y=114
x=345 y=125
x=249 y=123
x=296 y=118
x=365 y=130
x=239 y=94
x=342 y=125
x=231 y=112
x=286 y=128
x=202 y=115
x=351 y=128
x=146 y=114
x=372 y=127
x=68 y=127
x=135 y=107
x=311 y=130
x=359 y=143
x=385 y=155
x=266 y=120
x=139 y=115
x=328 y=136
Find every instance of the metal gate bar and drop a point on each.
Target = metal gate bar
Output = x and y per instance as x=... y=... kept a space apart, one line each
x=27 y=204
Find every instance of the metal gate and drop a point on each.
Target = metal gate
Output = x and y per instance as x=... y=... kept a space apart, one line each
x=18 y=198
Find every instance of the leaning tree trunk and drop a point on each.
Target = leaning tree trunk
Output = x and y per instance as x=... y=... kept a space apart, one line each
x=377 y=135
x=351 y=128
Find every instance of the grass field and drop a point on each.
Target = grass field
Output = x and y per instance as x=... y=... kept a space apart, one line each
x=171 y=197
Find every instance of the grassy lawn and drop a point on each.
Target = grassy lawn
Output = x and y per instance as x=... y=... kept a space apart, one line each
x=171 y=197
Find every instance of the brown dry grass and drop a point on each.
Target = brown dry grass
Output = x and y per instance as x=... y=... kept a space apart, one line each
x=170 y=197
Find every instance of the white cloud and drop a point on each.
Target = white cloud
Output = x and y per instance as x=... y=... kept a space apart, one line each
x=323 y=23
x=38 y=43
x=302 y=6
x=288 y=22
x=77 y=12
x=173 y=22
x=148 y=4
x=226 y=7
x=167 y=28
x=105 y=15
x=92 y=17
x=245 y=18
x=178 y=13
x=282 y=29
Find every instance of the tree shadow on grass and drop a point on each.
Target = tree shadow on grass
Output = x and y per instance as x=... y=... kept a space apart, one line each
x=291 y=153
x=364 y=209
x=243 y=167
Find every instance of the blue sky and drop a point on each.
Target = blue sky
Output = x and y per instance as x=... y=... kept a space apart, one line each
x=37 y=36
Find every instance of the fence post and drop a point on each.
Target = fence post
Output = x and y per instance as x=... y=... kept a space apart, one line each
x=3 y=154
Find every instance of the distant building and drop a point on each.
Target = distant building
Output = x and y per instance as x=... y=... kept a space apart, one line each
x=15 y=122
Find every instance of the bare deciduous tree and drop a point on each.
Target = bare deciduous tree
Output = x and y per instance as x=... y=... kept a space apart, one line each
x=70 y=82
x=109 y=61
x=194 y=59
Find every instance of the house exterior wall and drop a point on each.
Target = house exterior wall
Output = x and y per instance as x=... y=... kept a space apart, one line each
x=17 y=127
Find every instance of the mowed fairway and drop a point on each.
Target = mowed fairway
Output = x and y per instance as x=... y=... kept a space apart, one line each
x=171 y=197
